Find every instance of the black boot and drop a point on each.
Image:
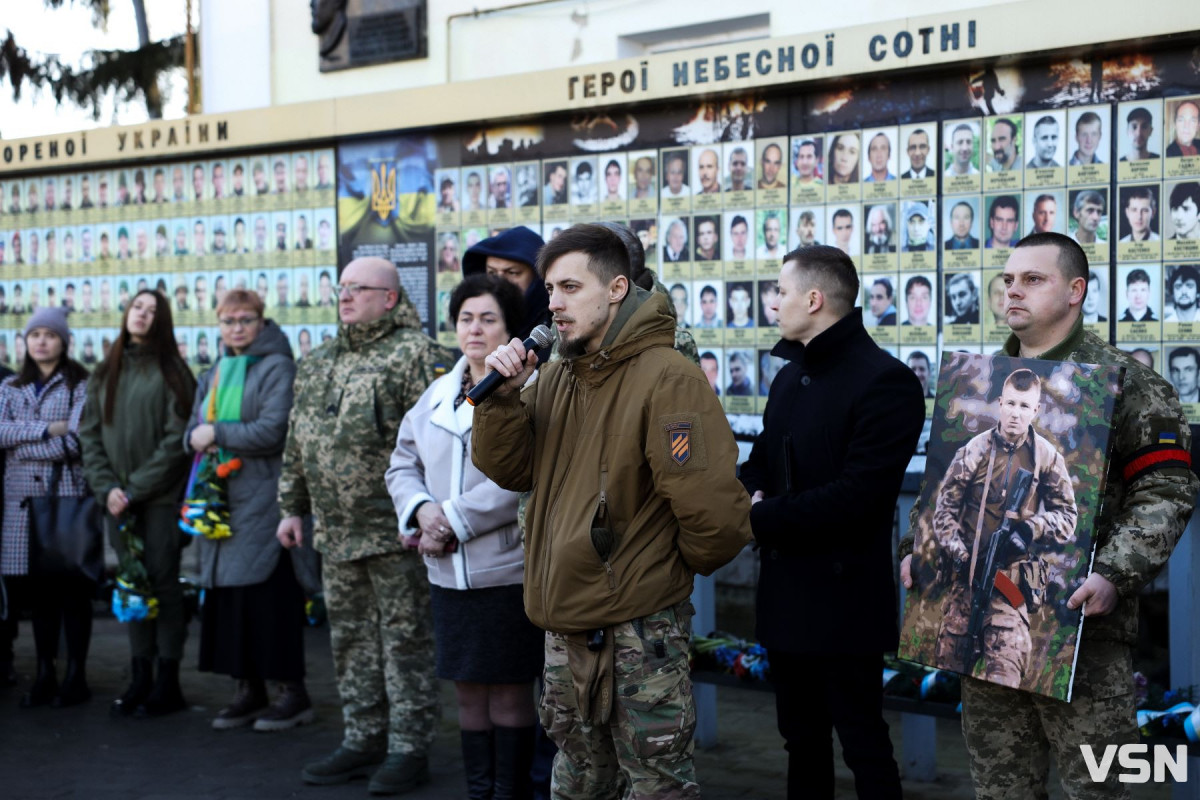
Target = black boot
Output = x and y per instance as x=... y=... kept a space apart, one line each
x=166 y=697
x=45 y=685
x=478 y=764
x=141 y=678
x=74 y=689
x=514 y=756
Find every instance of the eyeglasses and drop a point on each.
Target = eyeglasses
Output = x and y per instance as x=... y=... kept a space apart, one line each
x=238 y=322
x=355 y=289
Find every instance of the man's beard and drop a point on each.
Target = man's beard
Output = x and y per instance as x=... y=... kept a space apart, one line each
x=1185 y=306
x=879 y=239
x=571 y=349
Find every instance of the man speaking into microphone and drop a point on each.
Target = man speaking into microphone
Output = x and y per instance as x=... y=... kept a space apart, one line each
x=631 y=465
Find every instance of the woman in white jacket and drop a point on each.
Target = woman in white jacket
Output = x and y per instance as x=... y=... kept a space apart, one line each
x=466 y=528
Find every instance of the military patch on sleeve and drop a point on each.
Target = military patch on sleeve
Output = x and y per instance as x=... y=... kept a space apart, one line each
x=439 y=370
x=683 y=440
x=1164 y=451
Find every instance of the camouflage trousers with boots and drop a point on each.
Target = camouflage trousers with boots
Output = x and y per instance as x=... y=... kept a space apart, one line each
x=381 y=632
x=1011 y=734
x=644 y=749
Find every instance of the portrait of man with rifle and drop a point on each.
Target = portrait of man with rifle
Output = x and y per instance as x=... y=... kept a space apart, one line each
x=1005 y=496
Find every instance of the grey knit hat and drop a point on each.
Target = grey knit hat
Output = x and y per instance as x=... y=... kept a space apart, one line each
x=53 y=318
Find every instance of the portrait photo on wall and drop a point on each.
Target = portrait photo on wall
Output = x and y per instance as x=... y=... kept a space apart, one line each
x=1015 y=472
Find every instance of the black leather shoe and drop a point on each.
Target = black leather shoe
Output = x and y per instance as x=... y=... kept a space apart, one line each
x=399 y=774
x=166 y=697
x=45 y=686
x=141 y=680
x=74 y=689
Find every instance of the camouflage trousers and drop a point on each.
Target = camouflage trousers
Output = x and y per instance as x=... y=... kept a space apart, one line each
x=381 y=631
x=1005 y=653
x=1010 y=734
x=645 y=750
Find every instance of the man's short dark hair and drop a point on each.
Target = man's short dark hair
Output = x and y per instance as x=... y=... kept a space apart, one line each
x=920 y=131
x=1023 y=380
x=830 y=270
x=919 y=354
x=510 y=299
x=446 y=183
x=917 y=280
x=1043 y=197
x=1139 y=114
x=1184 y=192
x=887 y=286
x=736 y=220
x=842 y=212
x=1138 y=275
x=965 y=205
x=1184 y=352
x=1072 y=261
x=1012 y=126
x=1093 y=276
x=708 y=355
x=708 y=289
x=1087 y=118
x=584 y=168
x=1141 y=193
x=607 y=255
x=1046 y=120
x=1185 y=272
x=675 y=286
x=1004 y=201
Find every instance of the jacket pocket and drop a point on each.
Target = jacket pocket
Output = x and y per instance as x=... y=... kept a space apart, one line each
x=604 y=538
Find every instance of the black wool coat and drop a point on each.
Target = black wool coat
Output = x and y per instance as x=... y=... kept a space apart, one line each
x=840 y=427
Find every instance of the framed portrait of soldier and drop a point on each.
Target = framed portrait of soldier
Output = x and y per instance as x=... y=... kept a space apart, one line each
x=448 y=212
x=768 y=368
x=642 y=192
x=555 y=197
x=961 y=232
x=1181 y=366
x=1014 y=479
x=741 y=321
x=741 y=386
x=449 y=259
x=1003 y=228
x=807 y=169
x=1138 y=293
x=676 y=192
x=474 y=198
x=843 y=228
x=326 y=181
x=1139 y=140
x=879 y=300
x=768 y=309
x=843 y=161
x=1181 y=220
x=1089 y=221
x=1182 y=151
x=1003 y=167
x=808 y=226
x=1045 y=211
x=302 y=173
x=737 y=179
x=706 y=177
x=771 y=183
x=706 y=246
x=961 y=307
x=1096 y=306
x=771 y=231
x=992 y=316
x=923 y=362
x=500 y=211
x=614 y=186
x=708 y=316
x=675 y=247
x=918 y=159
x=961 y=173
x=1181 y=302
x=879 y=237
x=280 y=180
x=1088 y=145
x=917 y=306
x=647 y=232
x=238 y=186
x=712 y=362
x=739 y=242
x=1138 y=223
x=918 y=234
x=880 y=163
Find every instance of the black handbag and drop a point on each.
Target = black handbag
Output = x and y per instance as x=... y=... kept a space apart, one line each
x=65 y=533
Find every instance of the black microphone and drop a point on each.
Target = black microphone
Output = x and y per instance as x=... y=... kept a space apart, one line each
x=539 y=337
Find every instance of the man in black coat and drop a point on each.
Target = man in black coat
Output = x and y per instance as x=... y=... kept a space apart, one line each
x=841 y=424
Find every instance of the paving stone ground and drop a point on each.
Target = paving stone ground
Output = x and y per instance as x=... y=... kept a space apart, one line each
x=83 y=753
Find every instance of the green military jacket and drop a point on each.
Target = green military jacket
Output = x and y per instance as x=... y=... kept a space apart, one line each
x=1150 y=490
x=351 y=395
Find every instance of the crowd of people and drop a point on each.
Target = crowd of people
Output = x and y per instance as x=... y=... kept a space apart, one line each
x=554 y=530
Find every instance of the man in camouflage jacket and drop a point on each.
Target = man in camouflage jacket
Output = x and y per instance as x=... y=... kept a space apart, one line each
x=1149 y=495
x=351 y=395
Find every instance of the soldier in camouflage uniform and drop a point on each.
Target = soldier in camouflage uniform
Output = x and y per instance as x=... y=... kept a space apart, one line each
x=964 y=520
x=631 y=466
x=1148 y=497
x=351 y=395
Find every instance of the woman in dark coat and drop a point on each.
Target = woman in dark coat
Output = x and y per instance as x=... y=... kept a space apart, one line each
x=133 y=458
x=253 y=621
x=40 y=409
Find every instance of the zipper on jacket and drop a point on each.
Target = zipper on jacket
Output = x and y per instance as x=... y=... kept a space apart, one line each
x=600 y=523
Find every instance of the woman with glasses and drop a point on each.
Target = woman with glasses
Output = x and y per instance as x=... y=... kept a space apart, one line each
x=40 y=409
x=133 y=459
x=466 y=528
x=252 y=627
